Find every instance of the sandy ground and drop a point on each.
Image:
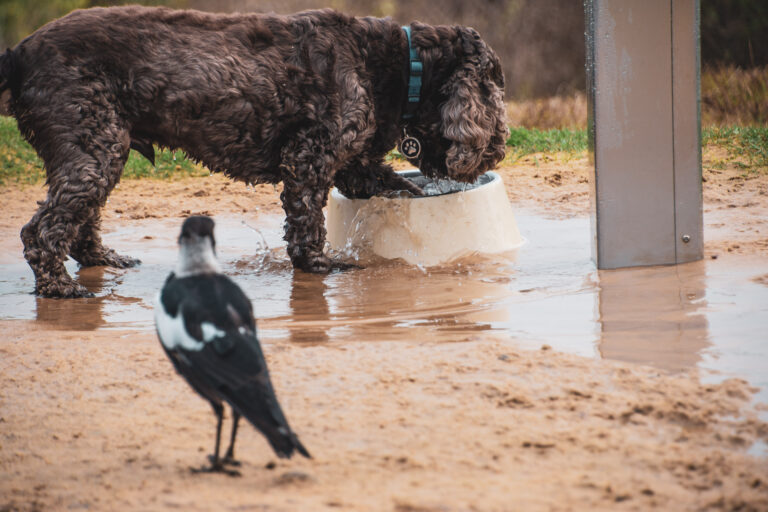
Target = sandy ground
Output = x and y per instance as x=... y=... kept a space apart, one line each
x=97 y=420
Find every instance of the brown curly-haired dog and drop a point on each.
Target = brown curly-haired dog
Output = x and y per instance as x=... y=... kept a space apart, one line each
x=313 y=100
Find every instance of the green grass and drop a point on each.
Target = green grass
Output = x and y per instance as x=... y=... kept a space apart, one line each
x=524 y=141
x=747 y=146
x=394 y=155
x=18 y=161
x=20 y=164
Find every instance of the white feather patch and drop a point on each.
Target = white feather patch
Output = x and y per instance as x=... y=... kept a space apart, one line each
x=211 y=332
x=196 y=256
x=171 y=330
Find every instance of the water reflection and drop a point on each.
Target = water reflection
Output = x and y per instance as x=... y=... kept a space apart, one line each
x=399 y=302
x=310 y=309
x=654 y=315
x=388 y=302
x=114 y=305
x=71 y=314
x=77 y=314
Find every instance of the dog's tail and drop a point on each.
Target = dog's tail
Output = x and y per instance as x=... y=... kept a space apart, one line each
x=10 y=72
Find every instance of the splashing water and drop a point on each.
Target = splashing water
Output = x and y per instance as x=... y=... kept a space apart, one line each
x=264 y=256
x=376 y=215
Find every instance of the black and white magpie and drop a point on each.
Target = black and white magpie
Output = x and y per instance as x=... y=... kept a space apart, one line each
x=205 y=324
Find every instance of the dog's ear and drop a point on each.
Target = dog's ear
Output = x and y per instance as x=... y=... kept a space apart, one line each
x=473 y=116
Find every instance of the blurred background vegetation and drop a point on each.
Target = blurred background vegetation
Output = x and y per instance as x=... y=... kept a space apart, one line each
x=541 y=44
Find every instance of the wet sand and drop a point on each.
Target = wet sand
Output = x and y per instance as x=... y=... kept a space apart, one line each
x=92 y=416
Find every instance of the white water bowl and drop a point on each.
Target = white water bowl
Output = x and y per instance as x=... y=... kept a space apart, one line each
x=430 y=230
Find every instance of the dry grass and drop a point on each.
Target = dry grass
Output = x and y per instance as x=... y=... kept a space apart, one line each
x=556 y=112
x=729 y=97
x=732 y=96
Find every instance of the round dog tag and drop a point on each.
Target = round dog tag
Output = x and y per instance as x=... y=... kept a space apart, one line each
x=410 y=147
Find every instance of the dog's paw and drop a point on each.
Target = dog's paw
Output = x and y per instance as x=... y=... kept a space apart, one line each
x=342 y=266
x=322 y=264
x=106 y=258
x=63 y=289
x=396 y=184
x=119 y=261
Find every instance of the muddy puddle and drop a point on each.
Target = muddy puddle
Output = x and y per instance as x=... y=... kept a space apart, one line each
x=711 y=314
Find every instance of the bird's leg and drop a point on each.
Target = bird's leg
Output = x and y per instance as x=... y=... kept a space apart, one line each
x=229 y=457
x=219 y=418
x=217 y=465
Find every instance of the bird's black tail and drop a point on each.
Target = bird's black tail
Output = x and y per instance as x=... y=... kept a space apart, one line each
x=10 y=75
x=263 y=411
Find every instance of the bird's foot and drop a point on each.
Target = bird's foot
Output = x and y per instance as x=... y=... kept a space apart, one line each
x=228 y=460
x=217 y=466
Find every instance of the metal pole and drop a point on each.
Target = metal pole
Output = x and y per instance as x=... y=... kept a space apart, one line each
x=644 y=127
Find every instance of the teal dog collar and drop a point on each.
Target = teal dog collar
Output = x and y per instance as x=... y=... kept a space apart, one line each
x=414 y=78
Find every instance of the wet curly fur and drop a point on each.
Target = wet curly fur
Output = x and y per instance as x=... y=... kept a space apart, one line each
x=313 y=100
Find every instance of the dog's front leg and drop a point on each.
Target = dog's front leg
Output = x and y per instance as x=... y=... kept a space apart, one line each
x=393 y=182
x=306 y=178
x=358 y=181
